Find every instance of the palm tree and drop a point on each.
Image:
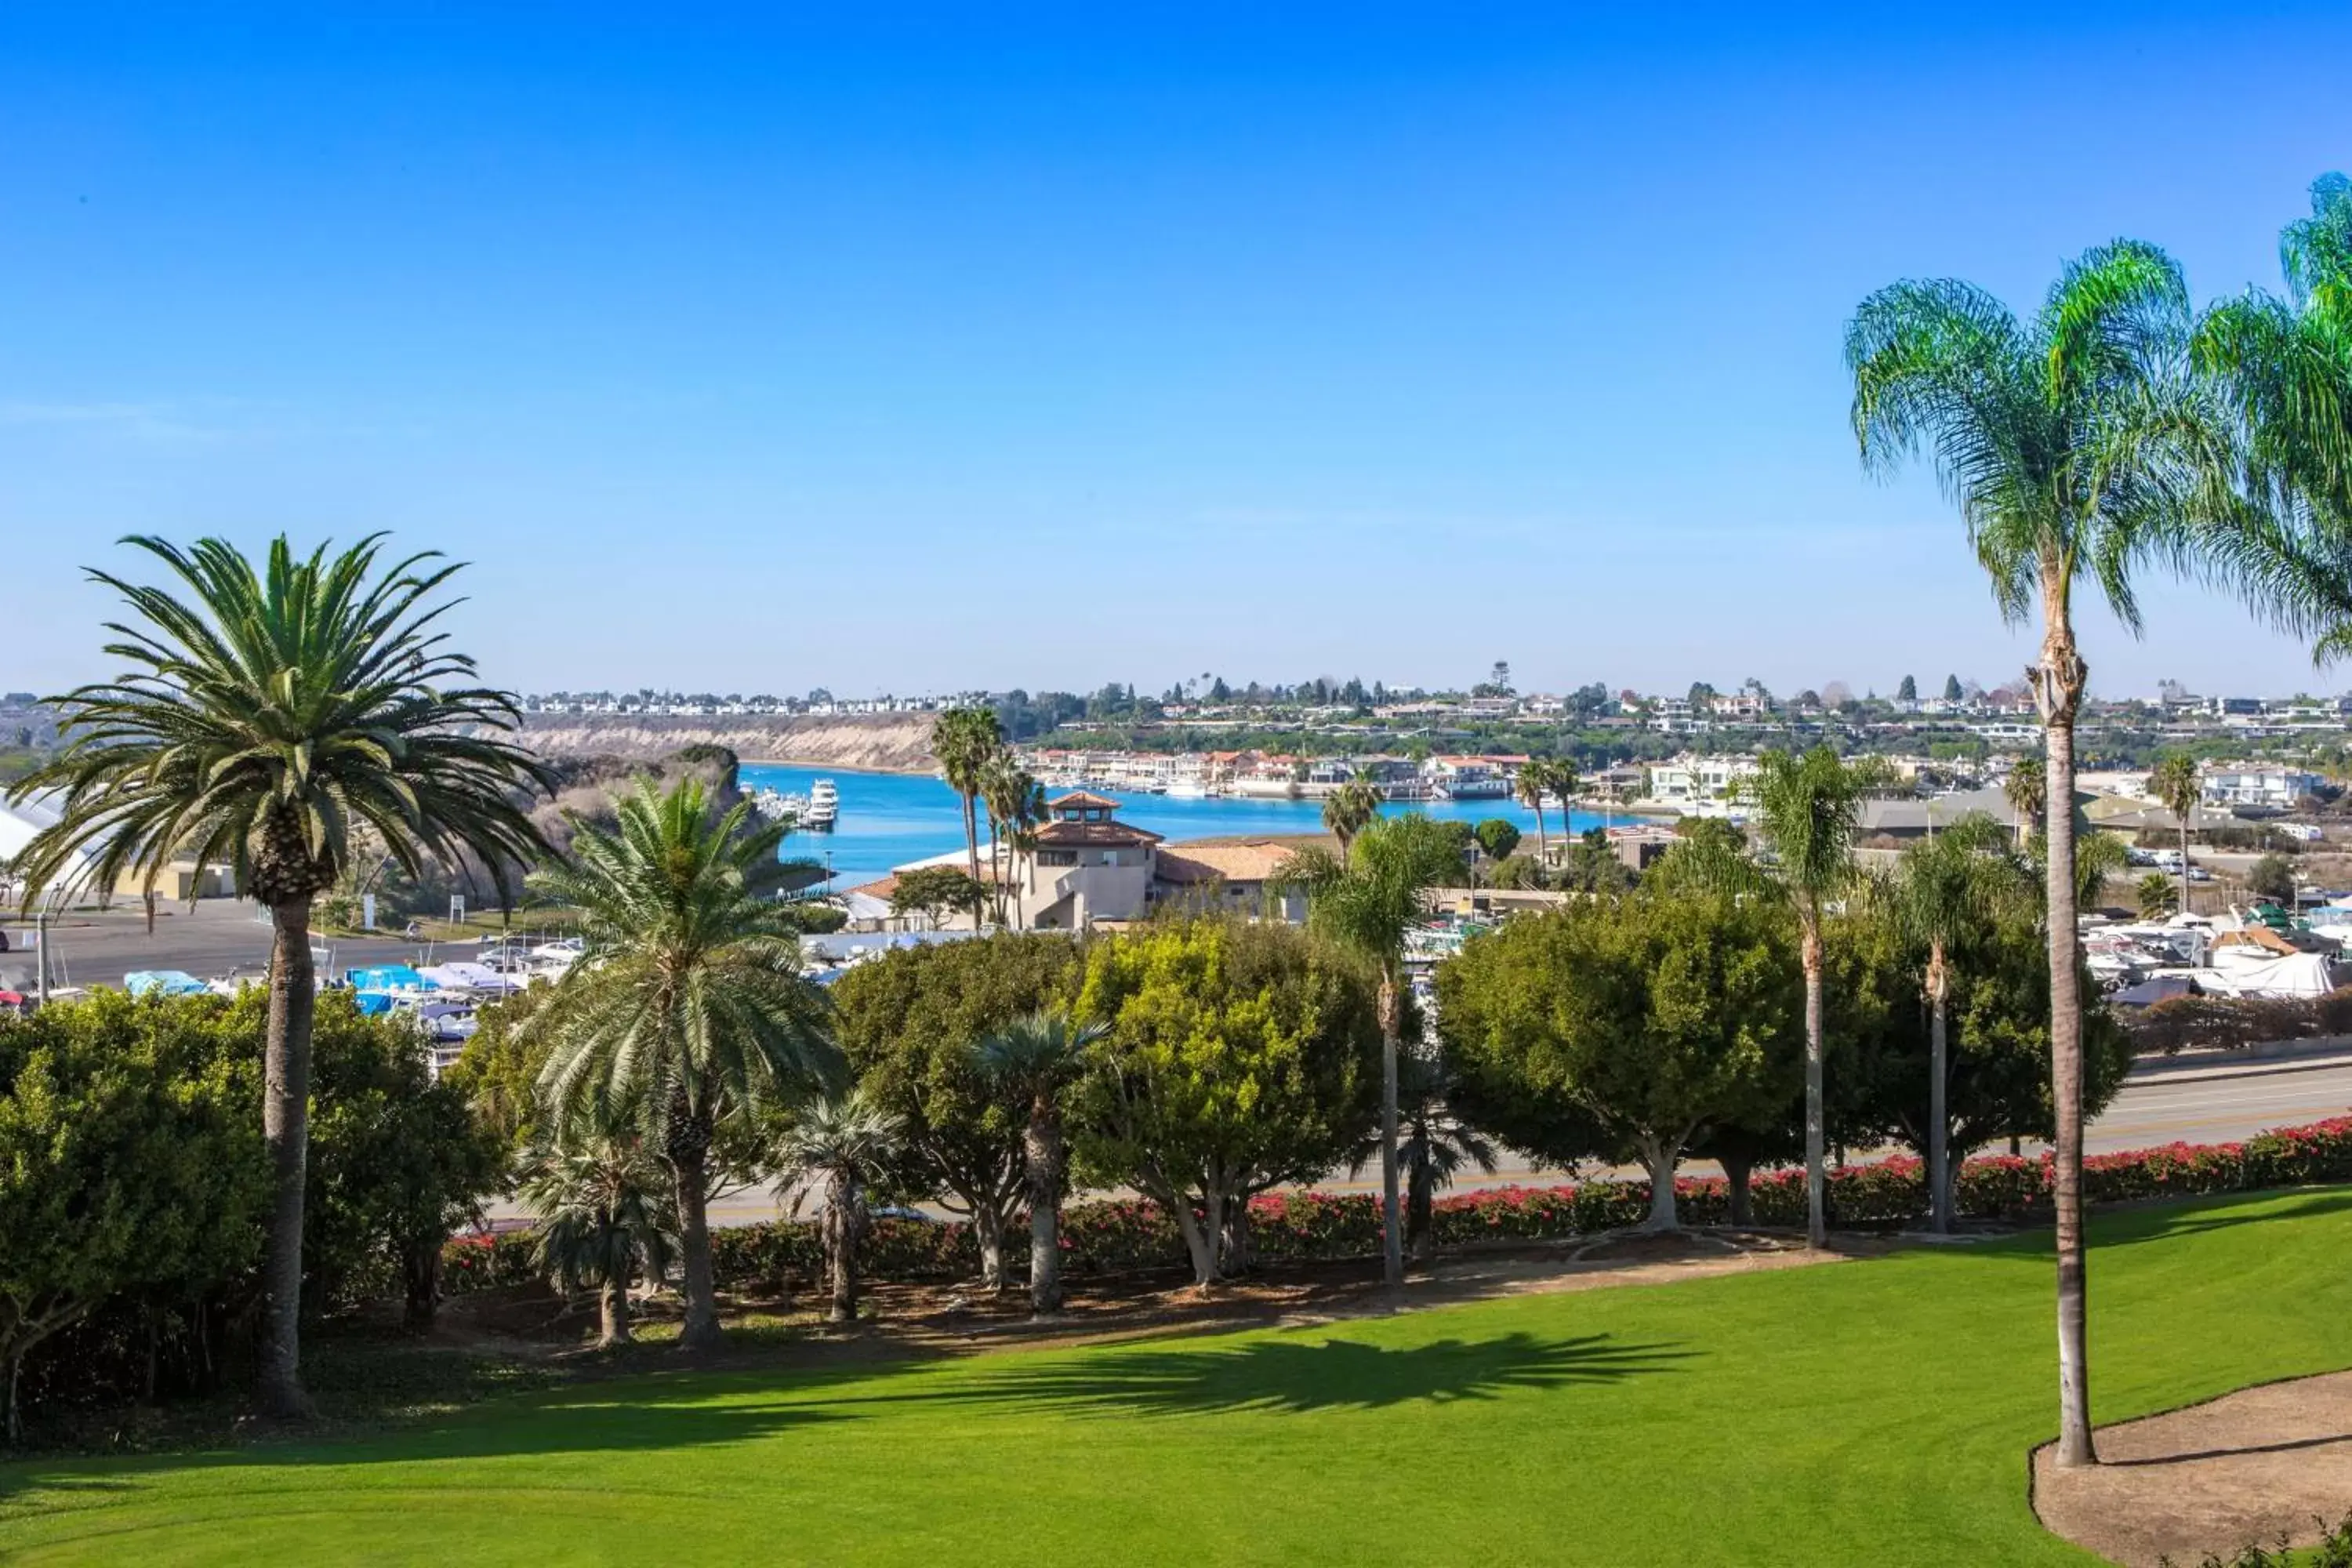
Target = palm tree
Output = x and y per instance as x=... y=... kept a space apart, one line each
x=966 y=741
x=2081 y=445
x=2026 y=789
x=2156 y=896
x=1946 y=887
x=1349 y=809
x=267 y=717
x=1809 y=808
x=1367 y=902
x=689 y=1003
x=1432 y=1146
x=2175 y=783
x=1540 y=776
x=2286 y=363
x=598 y=1200
x=1038 y=1058
x=1016 y=804
x=838 y=1146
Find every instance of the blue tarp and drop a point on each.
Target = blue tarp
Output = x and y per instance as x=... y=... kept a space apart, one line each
x=372 y=1004
x=170 y=981
x=386 y=977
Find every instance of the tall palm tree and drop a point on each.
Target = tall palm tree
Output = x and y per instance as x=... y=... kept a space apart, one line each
x=1808 y=807
x=2027 y=789
x=838 y=1146
x=1540 y=776
x=1016 y=804
x=2083 y=446
x=1946 y=887
x=2285 y=364
x=598 y=1200
x=966 y=741
x=1349 y=809
x=1038 y=1058
x=1434 y=1145
x=689 y=1003
x=267 y=717
x=2175 y=783
x=1367 y=902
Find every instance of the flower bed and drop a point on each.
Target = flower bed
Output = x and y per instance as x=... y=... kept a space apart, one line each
x=1128 y=1235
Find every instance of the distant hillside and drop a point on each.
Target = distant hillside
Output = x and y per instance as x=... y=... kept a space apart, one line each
x=899 y=743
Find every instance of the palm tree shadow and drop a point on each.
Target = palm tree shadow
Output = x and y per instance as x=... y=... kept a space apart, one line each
x=2195 y=1218
x=1293 y=1376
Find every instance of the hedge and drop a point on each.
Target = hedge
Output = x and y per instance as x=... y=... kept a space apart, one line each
x=1122 y=1236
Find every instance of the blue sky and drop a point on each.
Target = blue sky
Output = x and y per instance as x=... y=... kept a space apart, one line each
x=1012 y=346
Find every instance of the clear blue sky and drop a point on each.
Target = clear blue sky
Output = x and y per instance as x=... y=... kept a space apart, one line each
x=1008 y=346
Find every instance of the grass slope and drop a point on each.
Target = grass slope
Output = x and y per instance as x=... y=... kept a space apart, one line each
x=1877 y=1413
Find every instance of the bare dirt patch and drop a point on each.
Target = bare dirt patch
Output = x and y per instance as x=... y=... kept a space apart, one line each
x=2254 y=1466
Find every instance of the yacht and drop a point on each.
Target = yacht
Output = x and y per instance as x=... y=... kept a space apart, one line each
x=823 y=806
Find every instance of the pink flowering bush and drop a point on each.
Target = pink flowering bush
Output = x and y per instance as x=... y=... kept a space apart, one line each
x=1123 y=1236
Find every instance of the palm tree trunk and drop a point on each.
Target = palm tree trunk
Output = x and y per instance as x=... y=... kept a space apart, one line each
x=1817 y=1225
x=286 y=1130
x=1543 y=839
x=699 y=1332
x=2184 y=858
x=2063 y=675
x=1392 y=1230
x=614 y=1304
x=1043 y=1148
x=1939 y=1190
x=845 y=1214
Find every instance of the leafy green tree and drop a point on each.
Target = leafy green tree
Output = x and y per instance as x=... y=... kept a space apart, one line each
x=2271 y=878
x=1349 y=809
x=932 y=891
x=1367 y=902
x=2080 y=447
x=1497 y=836
x=1946 y=889
x=1039 y=1059
x=1240 y=1056
x=1908 y=691
x=268 y=717
x=2178 y=787
x=838 y=1146
x=910 y=1024
x=966 y=741
x=129 y=1161
x=1998 y=1013
x=1952 y=692
x=604 y=1210
x=397 y=1159
x=688 y=1005
x=1809 y=808
x=1623 y=1027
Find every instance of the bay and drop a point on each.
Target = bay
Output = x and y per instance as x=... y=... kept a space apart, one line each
x=889 y=819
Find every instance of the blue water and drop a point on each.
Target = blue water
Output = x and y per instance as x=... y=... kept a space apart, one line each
x=889 y=819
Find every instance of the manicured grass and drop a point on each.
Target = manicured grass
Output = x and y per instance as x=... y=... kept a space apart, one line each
x=1872 y=1412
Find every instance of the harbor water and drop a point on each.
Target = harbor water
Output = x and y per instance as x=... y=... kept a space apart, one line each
x=889 y=819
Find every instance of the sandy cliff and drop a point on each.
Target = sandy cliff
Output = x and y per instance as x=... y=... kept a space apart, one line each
x=895 y=742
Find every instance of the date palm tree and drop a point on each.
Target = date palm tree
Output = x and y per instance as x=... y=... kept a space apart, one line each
x=1808 y=807
x=1039 y=1059
x=603 y=1212
x=1367 y=902
x=1946 y=888
x=689 y=1003
x=966 y=741
x=2082 y=448
x=2175 y=783
x=837 y=1147
x=1349 y=809
x=269 y=716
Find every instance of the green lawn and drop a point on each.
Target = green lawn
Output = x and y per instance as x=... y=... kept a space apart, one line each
x=1877 y=1413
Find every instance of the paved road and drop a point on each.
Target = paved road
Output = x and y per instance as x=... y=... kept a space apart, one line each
x=216 y=939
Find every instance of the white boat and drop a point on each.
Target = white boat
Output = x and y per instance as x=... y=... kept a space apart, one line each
x=1187 y=789
x=823 y=806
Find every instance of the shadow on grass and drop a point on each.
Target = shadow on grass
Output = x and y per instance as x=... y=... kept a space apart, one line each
x=1287 y=1374
x=2171 y=1222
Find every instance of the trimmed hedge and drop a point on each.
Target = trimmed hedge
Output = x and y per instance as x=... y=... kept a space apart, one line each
x=1125 y=1236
